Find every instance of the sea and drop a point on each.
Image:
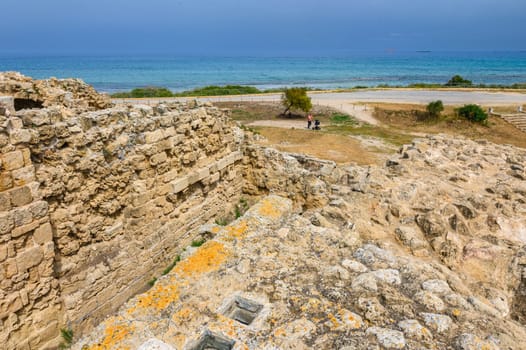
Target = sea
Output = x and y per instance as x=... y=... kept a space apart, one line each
x=366 y=69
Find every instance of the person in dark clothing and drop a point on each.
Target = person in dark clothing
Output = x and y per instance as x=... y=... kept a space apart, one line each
x=316 y=125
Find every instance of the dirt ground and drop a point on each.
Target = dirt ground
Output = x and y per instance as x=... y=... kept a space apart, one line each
x=357 y=142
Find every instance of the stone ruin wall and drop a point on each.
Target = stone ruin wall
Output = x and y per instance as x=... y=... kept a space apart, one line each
x=94 y=204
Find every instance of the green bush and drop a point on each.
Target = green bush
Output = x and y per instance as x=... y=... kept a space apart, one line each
x=296 y=98
x=473 y=113
x=435 y=108
x=220 y=90
x=458 y=81
x=150 y=91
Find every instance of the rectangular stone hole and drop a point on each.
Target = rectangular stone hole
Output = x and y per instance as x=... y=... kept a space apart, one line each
x=243 y=310
x=211 y=341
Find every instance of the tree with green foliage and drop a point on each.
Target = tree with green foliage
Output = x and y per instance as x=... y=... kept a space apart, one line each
x=435 y=108
x=458 y=81
x=473 y=113
x=296 y=98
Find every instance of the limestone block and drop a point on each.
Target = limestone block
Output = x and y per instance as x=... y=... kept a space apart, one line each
x=23 y=175
x=22 y=216
x=3 y=252
x=39 y=209
x=17 y=136
x=29 y=258
x=21 y=196
x=180 y=184
x=5 y=201
x=13 y=160
x=153 y=136
x=6 y=181
x=24 y=229
x=43 y=234
x=158 y=158
x=7 y=222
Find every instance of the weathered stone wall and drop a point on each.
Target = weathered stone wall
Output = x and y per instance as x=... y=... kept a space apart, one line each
x=308 y=181
x=94 y=204
x=30 y=310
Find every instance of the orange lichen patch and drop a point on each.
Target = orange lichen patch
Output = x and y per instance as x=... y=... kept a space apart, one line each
x=215 y=229
x=350 y=319
x=268 y=208
x=114 y=334
x=182 y=316
x=208 y=257
x=159 y=297
x=335 y=322
x=238 y=230
x=456 y=312
x=280 y=332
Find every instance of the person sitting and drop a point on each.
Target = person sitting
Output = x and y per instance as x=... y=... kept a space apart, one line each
x=317 y=125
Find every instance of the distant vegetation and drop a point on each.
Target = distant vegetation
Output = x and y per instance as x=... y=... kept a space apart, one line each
x=458 y=81
x=220 y=90
x=213 y=90
x=473 y=113
x=296 y=98
x=435 y=108
x=150 y=91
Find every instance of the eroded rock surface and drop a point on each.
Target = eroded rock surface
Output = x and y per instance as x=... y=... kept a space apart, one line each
x=335 y=273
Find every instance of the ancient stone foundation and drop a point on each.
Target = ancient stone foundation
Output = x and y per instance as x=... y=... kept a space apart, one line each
x=93 y=204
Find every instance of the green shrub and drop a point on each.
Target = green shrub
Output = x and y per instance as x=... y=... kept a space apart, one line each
x=150 y=91
x=296 y=98
x=473 y=113
x=152 y=281
x=214 y=90
x=435 y=108
x=457 y=80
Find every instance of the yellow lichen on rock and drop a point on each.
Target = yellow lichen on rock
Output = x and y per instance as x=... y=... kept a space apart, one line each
x=237 y=231
x=114 y=334
x=208 y=258
x=159 y=297
x=267 y=208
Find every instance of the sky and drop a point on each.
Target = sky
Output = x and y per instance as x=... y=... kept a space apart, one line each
x=259 y=27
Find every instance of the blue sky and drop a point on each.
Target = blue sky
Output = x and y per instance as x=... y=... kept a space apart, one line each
x=255 y=27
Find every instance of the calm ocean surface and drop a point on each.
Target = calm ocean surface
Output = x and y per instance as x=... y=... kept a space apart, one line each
x=116 y=73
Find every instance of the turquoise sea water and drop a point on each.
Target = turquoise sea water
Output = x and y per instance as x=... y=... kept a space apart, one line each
x=116 y=73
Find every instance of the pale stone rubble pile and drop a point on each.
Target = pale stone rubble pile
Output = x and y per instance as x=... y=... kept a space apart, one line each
x=426 y=252
x=72 y=93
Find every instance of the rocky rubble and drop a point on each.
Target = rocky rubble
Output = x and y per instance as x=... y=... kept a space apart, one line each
x=425 y=252
x=71 y=93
